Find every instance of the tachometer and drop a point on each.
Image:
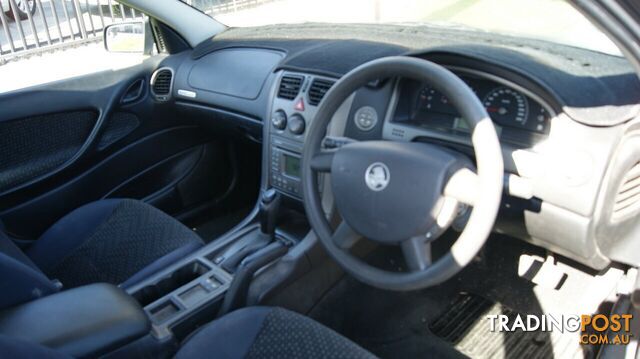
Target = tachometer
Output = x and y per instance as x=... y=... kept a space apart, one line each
x=507 y=107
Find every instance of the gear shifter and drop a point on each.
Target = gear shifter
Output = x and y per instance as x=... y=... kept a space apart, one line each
x=268 y=212
x=261 y=251
x=269 y=205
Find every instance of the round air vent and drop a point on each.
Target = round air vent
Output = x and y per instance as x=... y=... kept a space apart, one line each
x=162 y=83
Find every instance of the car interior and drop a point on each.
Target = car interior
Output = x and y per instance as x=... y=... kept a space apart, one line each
x=319 y=191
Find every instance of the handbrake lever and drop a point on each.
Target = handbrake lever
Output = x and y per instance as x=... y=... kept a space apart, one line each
x=236 y=296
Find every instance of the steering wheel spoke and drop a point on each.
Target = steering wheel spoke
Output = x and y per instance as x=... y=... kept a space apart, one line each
x=463 y=186
x=417 y=253
x=345 y=237
x=322 y=161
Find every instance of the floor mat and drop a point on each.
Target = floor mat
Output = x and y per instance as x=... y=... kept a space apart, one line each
x=402 y=324
x=466 y=326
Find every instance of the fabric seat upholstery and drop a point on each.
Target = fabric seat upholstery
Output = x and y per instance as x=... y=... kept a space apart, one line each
x=110 y=240
x=265 y=332
x=118 y=241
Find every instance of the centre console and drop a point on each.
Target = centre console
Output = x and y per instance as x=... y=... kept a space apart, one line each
x=215 y=279
x=174 y=297
x=188 y=293
x=294 y=107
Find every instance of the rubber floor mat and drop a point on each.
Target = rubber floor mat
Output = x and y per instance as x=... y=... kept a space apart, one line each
x=466 y=326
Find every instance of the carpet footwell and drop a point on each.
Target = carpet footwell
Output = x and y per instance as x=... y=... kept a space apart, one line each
x=466 y=326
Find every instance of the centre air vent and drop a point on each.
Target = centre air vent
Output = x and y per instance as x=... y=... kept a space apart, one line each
x=161 y=82
x=318 y=89
x=290 y=87
x=627 y=201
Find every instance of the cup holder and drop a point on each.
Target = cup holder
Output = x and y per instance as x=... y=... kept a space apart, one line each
x=169 y=283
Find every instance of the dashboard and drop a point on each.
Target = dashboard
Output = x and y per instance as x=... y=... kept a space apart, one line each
x=567 y=128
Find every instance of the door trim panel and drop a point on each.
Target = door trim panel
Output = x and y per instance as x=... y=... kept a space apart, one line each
x=98 y=180
x=100 y=92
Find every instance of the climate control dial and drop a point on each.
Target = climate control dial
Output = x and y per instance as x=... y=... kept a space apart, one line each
x=297 y=124
x=279 y=120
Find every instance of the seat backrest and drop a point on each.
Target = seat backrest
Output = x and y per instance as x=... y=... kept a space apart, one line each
x=20 y=279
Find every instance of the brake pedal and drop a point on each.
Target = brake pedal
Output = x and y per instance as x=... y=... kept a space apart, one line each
x=543 y=272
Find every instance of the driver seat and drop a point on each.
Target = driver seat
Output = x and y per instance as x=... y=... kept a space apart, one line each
x=254 y=332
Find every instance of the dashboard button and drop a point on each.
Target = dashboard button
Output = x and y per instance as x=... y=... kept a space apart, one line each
x=366 y=118
x=296 y=124
x=279 y=120
x=299 y=106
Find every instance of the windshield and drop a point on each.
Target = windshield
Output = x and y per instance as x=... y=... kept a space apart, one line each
x=551 y=20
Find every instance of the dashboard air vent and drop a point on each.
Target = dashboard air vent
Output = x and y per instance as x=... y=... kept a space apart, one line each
x=161 y=82
x=627 y=200
x=290 y=87
x=318 y=89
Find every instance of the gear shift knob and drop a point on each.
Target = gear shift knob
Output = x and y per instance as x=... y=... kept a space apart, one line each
x=268 y=196
x=269 y=204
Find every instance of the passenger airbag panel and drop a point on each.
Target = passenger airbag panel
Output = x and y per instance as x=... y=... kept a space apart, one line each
x=238 y=72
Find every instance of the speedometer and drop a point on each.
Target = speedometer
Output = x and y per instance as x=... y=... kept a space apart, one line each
x=507 y=107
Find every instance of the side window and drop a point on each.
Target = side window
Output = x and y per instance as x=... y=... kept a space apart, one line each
x=43 y=41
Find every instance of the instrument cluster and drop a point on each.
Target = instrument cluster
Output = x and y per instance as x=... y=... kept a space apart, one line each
x=517 y=116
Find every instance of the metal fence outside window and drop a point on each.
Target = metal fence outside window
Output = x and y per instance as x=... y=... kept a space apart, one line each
x=34 y=26
x=214 y=7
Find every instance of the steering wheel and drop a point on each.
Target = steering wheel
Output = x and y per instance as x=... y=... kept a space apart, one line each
x=404 y=193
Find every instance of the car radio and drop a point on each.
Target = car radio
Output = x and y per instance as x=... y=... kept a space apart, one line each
x=285 y=166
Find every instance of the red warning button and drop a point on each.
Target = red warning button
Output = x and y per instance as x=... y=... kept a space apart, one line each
x=299 y=106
